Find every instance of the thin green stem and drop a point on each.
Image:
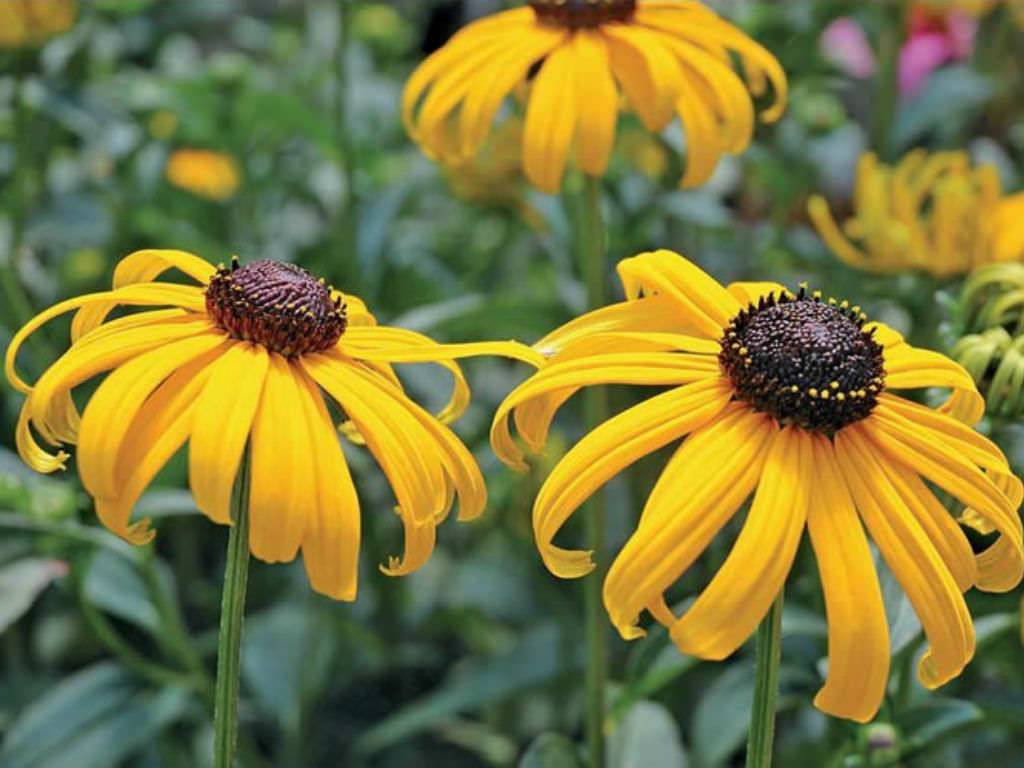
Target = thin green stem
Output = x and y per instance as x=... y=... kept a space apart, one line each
x=887 y=91
x=767 y=654
x=232 y=610
x=590 y=240
x=348 y=216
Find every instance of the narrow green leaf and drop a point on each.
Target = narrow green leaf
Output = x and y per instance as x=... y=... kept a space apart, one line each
x=551 y=750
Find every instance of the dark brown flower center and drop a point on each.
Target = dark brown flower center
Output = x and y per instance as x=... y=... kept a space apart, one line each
x=278 y=305
x=804 y=361
x=579 y=14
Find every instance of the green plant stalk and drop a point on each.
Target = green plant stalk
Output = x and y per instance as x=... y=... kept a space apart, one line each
x=348 y=216
x=590 y=241
x=887 y=91
x=229 y=642
x=767 y=654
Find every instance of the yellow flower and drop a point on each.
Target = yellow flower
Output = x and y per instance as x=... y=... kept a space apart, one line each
x=211 y=175
x=571 y=59
x=31 y=22
x=788 y=398
x=245 y=358
x=930 y=213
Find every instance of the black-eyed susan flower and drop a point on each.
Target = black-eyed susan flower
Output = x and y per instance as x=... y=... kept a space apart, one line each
x=210 y=175
x=31 y=22
x=788 y=399
x=933 y=213
x=245 y=358
x=574 y=62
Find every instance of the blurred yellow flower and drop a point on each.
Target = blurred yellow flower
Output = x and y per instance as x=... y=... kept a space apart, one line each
x=788 y=398
x=643 y=152
x=211 y=175
x=933 y=213
x=245 y=358
x=570 y=59
x=494 y=175
x=31 y=22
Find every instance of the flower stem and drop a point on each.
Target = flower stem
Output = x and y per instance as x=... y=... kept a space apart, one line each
x=348 y=217
x=590 y=240
x=229 y=642
x=887 y=92
x=767 y=654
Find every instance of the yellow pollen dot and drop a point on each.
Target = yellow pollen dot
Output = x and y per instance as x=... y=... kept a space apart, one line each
x=825 y=395
x=744 y=351
x=831 y=301
x=841 y=397
x=794 y=389
x=834 y=385
x=812 y=392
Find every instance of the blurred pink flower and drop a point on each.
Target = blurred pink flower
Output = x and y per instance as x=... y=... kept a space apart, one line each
x=845 y=44
x=934 y=38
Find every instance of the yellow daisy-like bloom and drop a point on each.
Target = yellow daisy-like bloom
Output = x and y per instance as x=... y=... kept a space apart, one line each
x=933 y=213
x=788 y=398
x=31 y=22
x=210 y=175
x=245 y=358
x=574 y=60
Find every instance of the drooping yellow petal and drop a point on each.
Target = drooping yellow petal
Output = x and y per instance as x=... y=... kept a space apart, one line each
x=158 y=430
x=223 y=418
x=29 y=449
x=551 y=118
x=186 y=297
x=609 y=449
x=718 y=466
x=647 y=72
x=858 y=634
x=112 y=408
x=599 y=110
x=926 y=581
x=652 y=369
x=742 y=591
x=703 y=303
x=283 y=480
x=399 y=443
x=419 y=545
x=330 y=543
x=907 y=367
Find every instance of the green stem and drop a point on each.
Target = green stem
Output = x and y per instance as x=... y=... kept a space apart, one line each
x=887 y=91
x=232 y=610
x=348 y=216
x=767 y=654
x=591 y=246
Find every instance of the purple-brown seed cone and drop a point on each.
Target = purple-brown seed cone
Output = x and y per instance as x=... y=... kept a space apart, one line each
x=582 y=14
x=279 y=305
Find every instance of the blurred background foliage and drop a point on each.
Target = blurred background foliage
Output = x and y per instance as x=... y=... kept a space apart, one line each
x=108 y=117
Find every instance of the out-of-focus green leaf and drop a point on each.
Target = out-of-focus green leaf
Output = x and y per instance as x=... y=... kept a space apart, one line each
x=22 y=581
x=647 y=737
x=904 y=625
x=667 y=667
x=534 y=661
x=89 y=720
x=551 y=750
x=114 y=585
x=992 y=627
x=925 y=725
x=949 y=94
x=722 y=718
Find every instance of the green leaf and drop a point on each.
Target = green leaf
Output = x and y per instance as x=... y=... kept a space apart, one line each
x=950 y=94
x=924 y=726
x=536 y=660
x=647 y=737
x=114 y=585
x=668 y=666
x=22 y=581
x=551 y=750
x=722 y=718
x=904 y=626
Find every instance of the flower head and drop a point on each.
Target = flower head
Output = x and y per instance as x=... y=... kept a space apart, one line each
x=788 y=398
x=206 y=174
x=933 y=213
x=937 y=34
x=573 y=61
x=246 y=358
x=31 y=22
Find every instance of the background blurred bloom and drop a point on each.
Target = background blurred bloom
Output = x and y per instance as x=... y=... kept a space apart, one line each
x=572 y=58
x=937 y=34
x=788 y=398
x=933 y=213
x=845 y=44
x=211 y=175
x=30 y=22
x=245 y=358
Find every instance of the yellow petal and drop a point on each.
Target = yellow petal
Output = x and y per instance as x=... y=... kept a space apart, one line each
x=330 y=543
x=111 y=412
x=599 y=111
x=608 y=450
x=917 y=566
x=858 y=635
x=647 y=71
x=728 y=611
x=907 y=367
x=704 y=304
x=551 y=117
x=224 y=414
x=29 y=449
x=712 y=474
